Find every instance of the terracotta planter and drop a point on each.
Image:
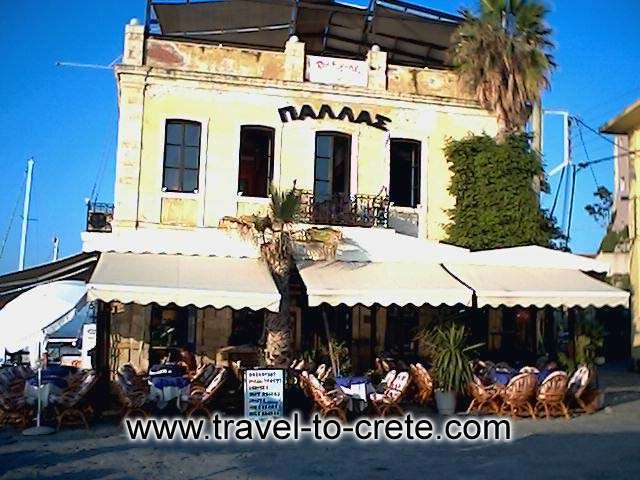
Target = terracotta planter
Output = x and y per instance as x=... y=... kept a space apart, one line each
x=446 y=402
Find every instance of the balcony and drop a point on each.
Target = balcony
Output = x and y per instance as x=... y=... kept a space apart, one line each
x=345 y=210
x=99 y=217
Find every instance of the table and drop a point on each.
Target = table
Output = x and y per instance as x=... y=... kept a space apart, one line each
x=356 y=388
x=50 y=385
x=166 y=384
x=54 y=370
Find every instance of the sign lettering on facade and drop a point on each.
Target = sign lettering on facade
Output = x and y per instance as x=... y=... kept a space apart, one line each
x=263 y=393
x=336 y=71
x=307 y=111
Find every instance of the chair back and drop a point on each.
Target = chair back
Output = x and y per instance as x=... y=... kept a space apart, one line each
x=216 y=382
x=424 y=373
x=315 y=383
x=385 y=366
x=321 y=370
x=579 y=380
x=398 y=386
x=554 y=386
x=522 y=386
x=477 y=389
x=533 y=370
x=389 y=377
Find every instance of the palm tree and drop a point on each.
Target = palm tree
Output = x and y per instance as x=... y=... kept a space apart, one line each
x=503 y=58
x=276 y=234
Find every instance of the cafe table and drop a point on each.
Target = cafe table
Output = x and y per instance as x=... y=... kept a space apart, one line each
x=167 y=383
x=357 y=389
x=49 y=385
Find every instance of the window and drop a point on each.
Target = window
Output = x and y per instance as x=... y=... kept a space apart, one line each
x=404 y=181
x=332 y=165
x=181 y=156
x=256 y=160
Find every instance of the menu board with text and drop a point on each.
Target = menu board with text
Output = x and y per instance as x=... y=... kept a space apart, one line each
x=264 y=393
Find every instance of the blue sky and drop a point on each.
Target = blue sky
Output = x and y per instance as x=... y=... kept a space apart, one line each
x=66 y=117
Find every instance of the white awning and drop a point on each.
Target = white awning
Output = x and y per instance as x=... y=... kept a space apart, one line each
x=26 y=319
x=525 y=286
x=383 y=283
x=184 y=280
x=532 y=256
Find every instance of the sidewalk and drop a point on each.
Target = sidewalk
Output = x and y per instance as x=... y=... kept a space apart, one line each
x=603 y=445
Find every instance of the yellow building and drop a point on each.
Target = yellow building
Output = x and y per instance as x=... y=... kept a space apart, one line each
x=221 y=100
x=626 y=126
x=351 y=106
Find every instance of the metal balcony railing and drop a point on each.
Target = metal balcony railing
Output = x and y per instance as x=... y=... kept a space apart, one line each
x=99 y=217
x=345 y=210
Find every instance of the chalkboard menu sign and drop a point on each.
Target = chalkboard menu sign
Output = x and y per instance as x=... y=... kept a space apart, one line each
x=264 y=393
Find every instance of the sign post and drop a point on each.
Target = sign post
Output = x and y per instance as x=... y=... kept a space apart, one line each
x=264 y=393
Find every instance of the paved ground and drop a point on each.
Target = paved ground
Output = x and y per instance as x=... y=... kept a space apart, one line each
x=604 y=445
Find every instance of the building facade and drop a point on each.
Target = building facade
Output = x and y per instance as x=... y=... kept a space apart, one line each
x=206 y=129
x=626 y=128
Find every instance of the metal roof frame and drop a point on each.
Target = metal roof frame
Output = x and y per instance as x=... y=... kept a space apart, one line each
x=392 y=12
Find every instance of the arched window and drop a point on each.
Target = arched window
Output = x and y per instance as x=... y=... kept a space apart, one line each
x=404 y=181
x=332 y=168
x=181 y=156
x=256 y=160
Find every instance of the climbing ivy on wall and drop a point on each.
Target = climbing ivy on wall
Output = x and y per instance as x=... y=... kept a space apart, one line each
x=496 y=204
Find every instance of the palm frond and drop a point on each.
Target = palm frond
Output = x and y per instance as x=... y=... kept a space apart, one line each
x=285 y=206
x=503 y=57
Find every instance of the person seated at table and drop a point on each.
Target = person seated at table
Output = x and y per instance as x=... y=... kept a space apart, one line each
x=188 y=360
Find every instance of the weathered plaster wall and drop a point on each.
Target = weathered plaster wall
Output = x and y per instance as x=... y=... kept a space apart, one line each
x=224 y=88
x=634 y=218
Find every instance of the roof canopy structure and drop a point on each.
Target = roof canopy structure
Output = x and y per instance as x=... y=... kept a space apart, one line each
x=410 y=34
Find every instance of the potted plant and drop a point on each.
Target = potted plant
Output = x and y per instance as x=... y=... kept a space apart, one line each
x=452 y=372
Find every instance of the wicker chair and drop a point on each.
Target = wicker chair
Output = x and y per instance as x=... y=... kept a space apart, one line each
x=323 y=373
x=200 y=400
x=326 y=403
x=387 y=403
x=132 y=392
x=551 y=396
x=382 y=366
x=580 y=394
x=484 y=399
x=72 y=406
x=386 y=381
x=14 y=410
x=423 y=383
x=204 y=374
x=517 y=395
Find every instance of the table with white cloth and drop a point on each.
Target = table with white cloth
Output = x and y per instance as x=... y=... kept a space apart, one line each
x=49 y=385
x=358 y=390
x=167 y=383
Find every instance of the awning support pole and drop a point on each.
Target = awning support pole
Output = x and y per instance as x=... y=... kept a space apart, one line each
x=325 y=319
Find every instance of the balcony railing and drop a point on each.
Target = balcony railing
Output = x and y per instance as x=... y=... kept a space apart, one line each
x=345 y=210
x=99 y=217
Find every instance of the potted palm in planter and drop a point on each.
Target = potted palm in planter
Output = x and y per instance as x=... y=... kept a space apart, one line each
x=452 y=372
